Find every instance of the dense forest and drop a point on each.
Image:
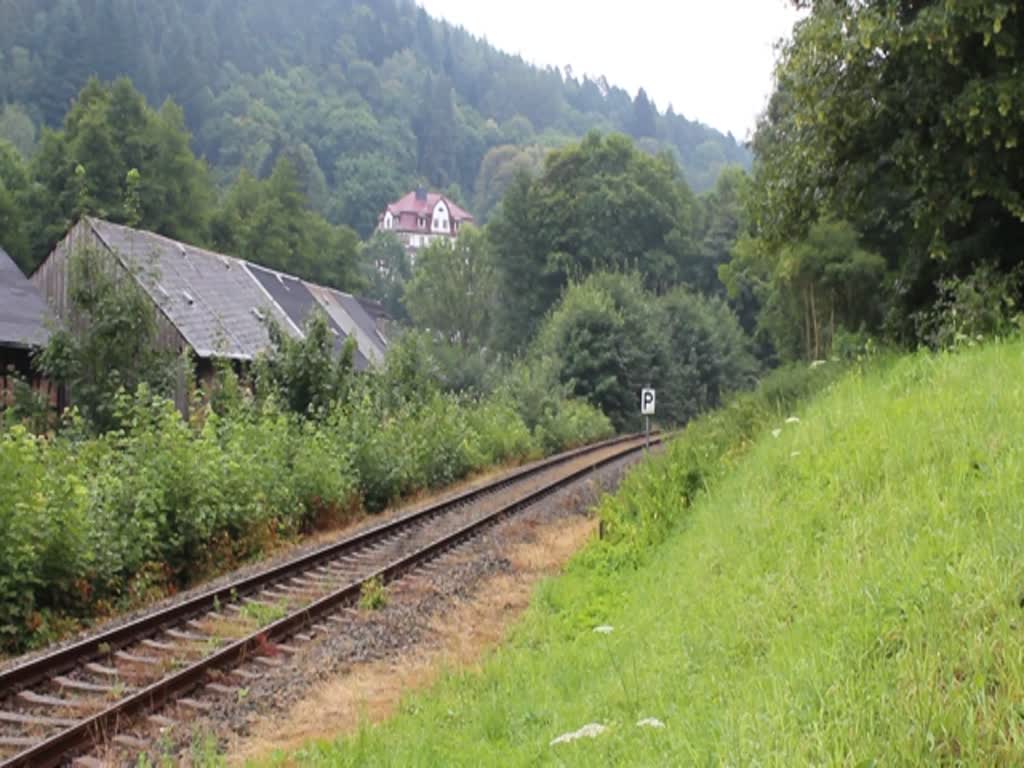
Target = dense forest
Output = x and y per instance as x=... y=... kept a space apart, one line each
x=886 y=195
x=367 y=97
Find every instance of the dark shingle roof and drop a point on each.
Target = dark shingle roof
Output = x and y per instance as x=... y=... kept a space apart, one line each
x=220 y=304
x=346 y=311
x=213 y=300
x=297 y=300
x=23 y=310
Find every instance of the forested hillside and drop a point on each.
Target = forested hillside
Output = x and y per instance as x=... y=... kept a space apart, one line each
x=366 y=97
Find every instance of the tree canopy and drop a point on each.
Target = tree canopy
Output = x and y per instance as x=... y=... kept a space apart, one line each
x=903 y=119
x=602 y=204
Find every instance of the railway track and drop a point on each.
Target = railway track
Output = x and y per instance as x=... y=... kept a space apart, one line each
x=112 y=688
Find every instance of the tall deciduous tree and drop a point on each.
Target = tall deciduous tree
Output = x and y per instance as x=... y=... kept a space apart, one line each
x=904 y=118
x=85 y=169
x=452 y=289
x=270 y=222
x=387 y=269
x=14 y=187
x=812 y=287
x=609 y=338
x=599 y=205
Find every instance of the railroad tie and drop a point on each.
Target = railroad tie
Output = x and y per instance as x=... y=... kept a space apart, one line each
x=129 y=658
x=32 y=697
x=158 y=646
x=245 y=674
x=17 y=741
x=222 y=689
x=21 y=719
x=132 y=742
x=100 y=669
x=189 y=637
x=260 y=603
x=312 y=581
x=79 y=685
x=195 y=705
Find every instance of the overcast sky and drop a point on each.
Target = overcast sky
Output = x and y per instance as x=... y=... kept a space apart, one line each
x=711 y=59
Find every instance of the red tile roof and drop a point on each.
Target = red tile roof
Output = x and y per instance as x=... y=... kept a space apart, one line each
x=411 y=204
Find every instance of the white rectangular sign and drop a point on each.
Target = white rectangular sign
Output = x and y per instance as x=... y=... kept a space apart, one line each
x=647 y=399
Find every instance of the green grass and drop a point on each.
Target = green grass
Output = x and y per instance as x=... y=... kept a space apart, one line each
x=847 y=593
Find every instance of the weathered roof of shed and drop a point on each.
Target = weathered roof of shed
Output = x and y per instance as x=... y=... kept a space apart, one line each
x=23 y=310
x=297 y=300
x=353 y=321
x=213 y=300
x=220 y=304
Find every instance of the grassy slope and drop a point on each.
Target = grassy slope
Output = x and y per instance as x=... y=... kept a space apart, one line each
x=849 y=595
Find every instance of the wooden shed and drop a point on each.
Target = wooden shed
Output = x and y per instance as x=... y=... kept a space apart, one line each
x=23 y=329
x=215 y=306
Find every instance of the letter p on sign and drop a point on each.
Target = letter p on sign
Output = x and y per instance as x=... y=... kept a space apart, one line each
x=647 y=399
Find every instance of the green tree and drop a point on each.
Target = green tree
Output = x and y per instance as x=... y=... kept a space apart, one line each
x=112 y=344
x=270 y=223
x=610 y=337
x=308 y=375
x=810 y=288
x=599 y=205
x=497 y=172
x=606 y=337
x=645 y=117
x=85 y=169
x=452 y=289
x=903 y=118
x=387 y=269
x=17 y=127
x=708 y=354
x=14 y=188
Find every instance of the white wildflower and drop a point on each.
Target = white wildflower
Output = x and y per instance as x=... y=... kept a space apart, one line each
x=794 y=454
x=817 y=364
x=650 y=722
x=604 y=629
x=590 y=731
x=776 y=433
x=792 y=420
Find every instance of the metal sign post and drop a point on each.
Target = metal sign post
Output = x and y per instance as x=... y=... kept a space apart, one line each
x=648 y=398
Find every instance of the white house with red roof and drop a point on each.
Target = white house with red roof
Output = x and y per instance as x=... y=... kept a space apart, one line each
x=421 y=217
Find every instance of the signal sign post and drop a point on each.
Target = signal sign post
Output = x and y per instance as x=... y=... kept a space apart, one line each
x=648 y=397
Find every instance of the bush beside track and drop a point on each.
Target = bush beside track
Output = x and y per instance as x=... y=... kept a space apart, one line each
x=90 y=525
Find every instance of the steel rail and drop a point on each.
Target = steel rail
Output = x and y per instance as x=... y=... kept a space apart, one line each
x=92 y=729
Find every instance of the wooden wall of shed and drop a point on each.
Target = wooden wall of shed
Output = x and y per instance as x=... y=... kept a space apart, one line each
x=52 y=280
x=15 y=366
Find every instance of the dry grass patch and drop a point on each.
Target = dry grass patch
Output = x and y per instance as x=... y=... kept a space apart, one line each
x=458 y=639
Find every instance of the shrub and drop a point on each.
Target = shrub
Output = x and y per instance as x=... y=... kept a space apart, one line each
x=100 y=522
x=982 y=305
